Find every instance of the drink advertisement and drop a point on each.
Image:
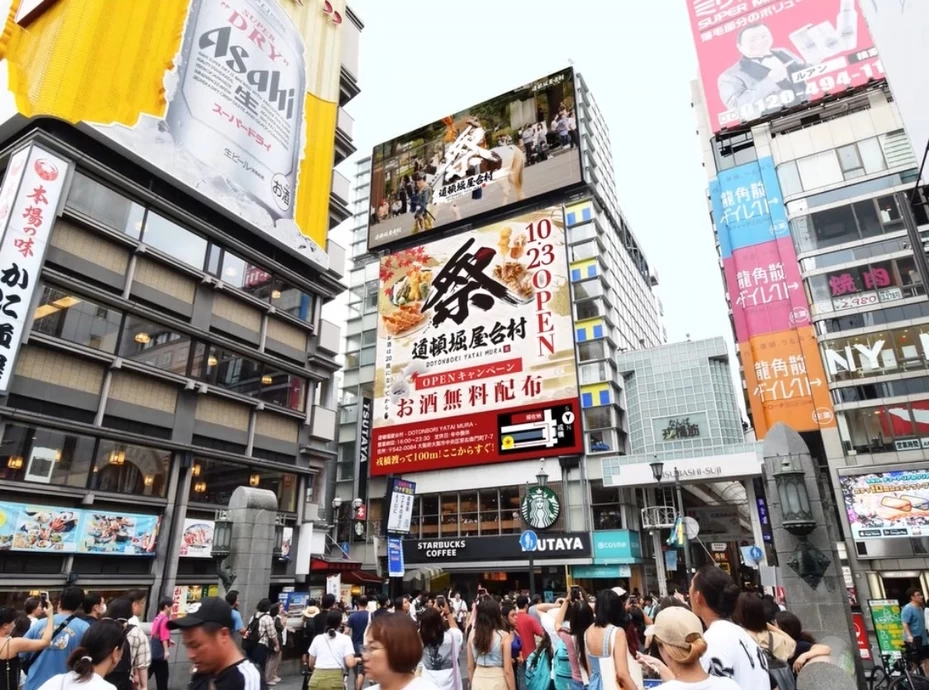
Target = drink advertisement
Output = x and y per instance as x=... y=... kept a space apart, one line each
x=761 y=57
x=475 y=350
x=887 y=504
x=47 y=529
x=217 y=96
x=513 y=147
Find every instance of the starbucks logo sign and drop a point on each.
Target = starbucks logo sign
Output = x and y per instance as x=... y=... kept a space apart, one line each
x=540 y=507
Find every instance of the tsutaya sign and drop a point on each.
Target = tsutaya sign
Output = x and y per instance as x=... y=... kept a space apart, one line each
x=555 y=545
x=867 y=357
x=705 y=469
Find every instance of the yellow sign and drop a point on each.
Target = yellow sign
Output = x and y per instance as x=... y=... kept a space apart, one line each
x=233 y=99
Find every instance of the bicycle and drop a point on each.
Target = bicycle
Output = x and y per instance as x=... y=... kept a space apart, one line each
x=905 y=673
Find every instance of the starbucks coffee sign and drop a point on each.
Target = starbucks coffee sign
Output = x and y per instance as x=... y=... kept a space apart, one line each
x=540 y=507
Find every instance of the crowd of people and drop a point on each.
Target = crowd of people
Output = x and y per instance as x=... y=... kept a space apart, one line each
x=713 y=637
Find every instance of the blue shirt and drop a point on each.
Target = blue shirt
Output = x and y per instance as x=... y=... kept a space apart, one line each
x=237 y=620
x=54 y=659
x=358 y=622
x=912 y=616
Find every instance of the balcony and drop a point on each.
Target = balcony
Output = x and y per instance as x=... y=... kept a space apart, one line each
x=336 y=258
x=345 y=123
x=339 y=196
x=328 y=337
x=324 y=424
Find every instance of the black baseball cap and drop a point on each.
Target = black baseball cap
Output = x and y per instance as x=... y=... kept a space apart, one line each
x=207 y=610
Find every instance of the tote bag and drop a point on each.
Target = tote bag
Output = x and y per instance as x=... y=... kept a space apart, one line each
x=608 y=667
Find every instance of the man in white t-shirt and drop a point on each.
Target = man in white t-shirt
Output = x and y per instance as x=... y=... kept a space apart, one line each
x=731 y=653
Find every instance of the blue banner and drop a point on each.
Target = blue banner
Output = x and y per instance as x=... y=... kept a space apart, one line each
x=616 y=546
x=395 y=557
x=747 y=206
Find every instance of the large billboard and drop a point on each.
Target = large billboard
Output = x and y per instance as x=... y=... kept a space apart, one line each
x=221 y=97
x=758 y=57
x=887 y=504
x=900 y=30
x=515 y=146
x=475 y=350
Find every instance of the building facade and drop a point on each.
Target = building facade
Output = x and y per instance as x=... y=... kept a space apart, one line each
x=614 y=308
x=171 y=352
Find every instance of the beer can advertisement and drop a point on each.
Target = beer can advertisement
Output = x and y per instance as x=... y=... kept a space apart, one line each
x=762 y=57
x=513 y=147
x=220 y=97
x=887 y=504
x=475 y=349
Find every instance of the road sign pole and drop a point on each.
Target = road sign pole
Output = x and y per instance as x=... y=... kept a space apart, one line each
x=680 y=501
x=531 y=578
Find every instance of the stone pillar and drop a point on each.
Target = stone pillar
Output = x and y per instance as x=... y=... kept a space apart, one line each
x=252 y=512
x=819 y=599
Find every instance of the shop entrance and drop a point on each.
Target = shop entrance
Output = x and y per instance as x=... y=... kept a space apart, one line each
x=896 y=587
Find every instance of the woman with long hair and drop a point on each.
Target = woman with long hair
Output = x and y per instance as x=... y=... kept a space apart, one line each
x=132 y=670
x=572 y=621
x=442 y=642
x=611 y=665
x=538 y=671
x=100 y=651
x=490 y=653
x=393 y=649
x=331 y=655
x=807 y=646
x=750 y=614
x=510 y=616
x=731 y=652
x=11 y=645
x=678 y=634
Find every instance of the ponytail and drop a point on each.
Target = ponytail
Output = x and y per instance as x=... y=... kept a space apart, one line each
x=82 y=664
x=99 y=641
x=333 y=622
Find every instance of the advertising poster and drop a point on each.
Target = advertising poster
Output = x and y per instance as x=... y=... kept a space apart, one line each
x=334 y=585
x=900 y=31
x=475 y=350
x=786 y=381
x=221 y=97
x=287 y=543
x=885 y=614
x=761 y=57
x=513 y=147
x=402 y=496
x=38 y=528
x=861 y=636
x=887 y=504
x=395 y=557
x=197 y=541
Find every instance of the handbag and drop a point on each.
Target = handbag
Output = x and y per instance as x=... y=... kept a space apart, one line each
x=608 y=665
x=780 y=671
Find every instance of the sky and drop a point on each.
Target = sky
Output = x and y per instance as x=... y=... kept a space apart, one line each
x=423 y=59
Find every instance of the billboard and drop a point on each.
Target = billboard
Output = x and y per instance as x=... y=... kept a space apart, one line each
x=475 y=349
x=759 y=57
x=785 y=381
x=887 y=504
x=900 y=31
x=513 y=147
x=221 y=97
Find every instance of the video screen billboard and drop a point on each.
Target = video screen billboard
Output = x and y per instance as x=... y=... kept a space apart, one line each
x=513 y=147
x=475 y=350
x=762 y=56
x=887 y=504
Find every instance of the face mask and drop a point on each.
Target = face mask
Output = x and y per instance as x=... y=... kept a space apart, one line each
x=102 y=609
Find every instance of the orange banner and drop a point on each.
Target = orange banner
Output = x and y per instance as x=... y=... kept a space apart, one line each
x=786 y=382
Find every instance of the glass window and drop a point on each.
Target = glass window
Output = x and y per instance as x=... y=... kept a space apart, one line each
x=214 y=259
x=598 y=418
x=861 y=430
x=227 y=370
x=889 y=212
x=820 y=170
x=602 y=441
x=105 y=206
x=489 y=511
x=591 y=351
x=292 y=300
x=868 y=221
x=213 y=482
x=45 y=456
x=580 y=252
x=510 y=519
x=173 y=240
x=850 y=162
x=66 y=316
x=605 y=506
x=133 y=470
x=871 y=155
x=789 y=177
x=449 y=515
x=834 y=226
x=469 y=521
x=430 y=516
x=281 y=388
x=235 y=269
x=588 y=310
x=588 y=288
x=154 y=344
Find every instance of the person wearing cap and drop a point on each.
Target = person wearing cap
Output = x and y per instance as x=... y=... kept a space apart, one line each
x=207 y=631
x=678 y=634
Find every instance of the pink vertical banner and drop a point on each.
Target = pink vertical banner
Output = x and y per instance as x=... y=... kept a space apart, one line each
x=765 y=289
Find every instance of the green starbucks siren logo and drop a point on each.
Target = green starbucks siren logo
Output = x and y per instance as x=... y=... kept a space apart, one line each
x=540 y=507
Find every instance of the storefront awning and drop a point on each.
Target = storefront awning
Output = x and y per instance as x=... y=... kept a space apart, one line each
x=423 y=573
x=361 y=577
x=335 y=565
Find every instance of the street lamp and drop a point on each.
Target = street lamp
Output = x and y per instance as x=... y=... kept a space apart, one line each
x=336 y=505
x=542 y=476
x=657 y=471
x=797 y=518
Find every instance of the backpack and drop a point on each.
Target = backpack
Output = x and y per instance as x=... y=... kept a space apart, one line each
x=561 y=665
x=121 y=674
x=539 y=671
x=779 y=671
x=252 y=633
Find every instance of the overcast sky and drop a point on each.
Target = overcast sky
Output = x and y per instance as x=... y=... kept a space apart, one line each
x=424 y=59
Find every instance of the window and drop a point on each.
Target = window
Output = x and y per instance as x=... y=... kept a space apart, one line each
x=292 y=300
x=214 y=481
x=871 y=155
x=510 y=519
x=878 y=353
x=588 y=288
x=734 y=150
x=430 y=517
x=789 y=178
x=581 y=252
x=820 y=170
x=173 y=240
x=469 y=513
x=588 y=310
x=598 y=418
x=489 y=511
x=595 y=373
x=850 y=162
x=862 y=219
x=105 y=206
x=865 y=285
x=45 y=456
x=154 y=344
x=281 y=388
x=587 y=352
x=66 y=316
x=604 y=503
x=603 y=441
x=132 y=470
x=227 y=370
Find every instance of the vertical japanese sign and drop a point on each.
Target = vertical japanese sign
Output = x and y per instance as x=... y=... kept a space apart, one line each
x=29 y=199
x=885 y=614
x=400 y=515
x=761 y=57
x=395 y=557
x=475 y=350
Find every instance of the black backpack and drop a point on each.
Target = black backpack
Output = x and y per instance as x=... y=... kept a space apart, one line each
x=121 y=675
x=779 y=671
x=252 y=633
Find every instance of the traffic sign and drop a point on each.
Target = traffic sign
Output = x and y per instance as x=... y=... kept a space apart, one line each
x=528 y=540
x=755 y=552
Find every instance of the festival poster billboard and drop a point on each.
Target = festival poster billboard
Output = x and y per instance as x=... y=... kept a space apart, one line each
x=786 y=381
x=50 y=529
x=235 y=101
x=891 y=504
x=512 y=147
x=475 y=350
x=761 y=57
x=765 y=289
